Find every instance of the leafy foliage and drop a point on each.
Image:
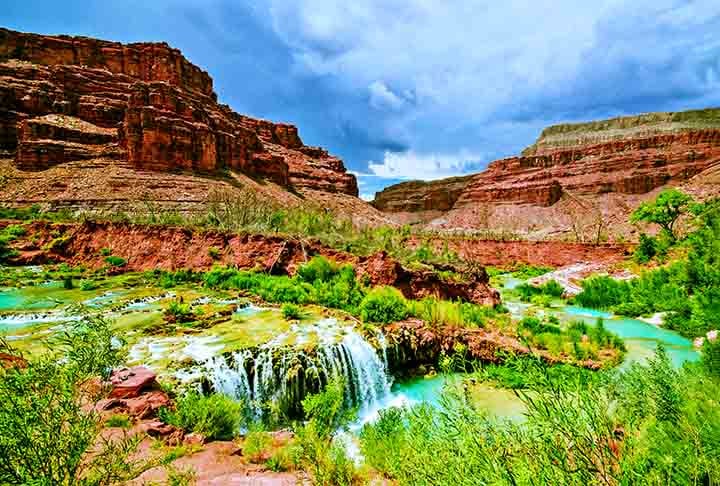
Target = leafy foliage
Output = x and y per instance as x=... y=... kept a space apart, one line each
x=383 y=305
x=8 y=235
x=664 y=211
x=215 y=416
x=650 y=425
x=46 y=429
x=291 y=311
x=317 y=452
x=115 y=261
x=688 y=289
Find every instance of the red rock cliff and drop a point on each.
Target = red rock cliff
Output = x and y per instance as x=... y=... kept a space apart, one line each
x=573 y=175
x=161 y=111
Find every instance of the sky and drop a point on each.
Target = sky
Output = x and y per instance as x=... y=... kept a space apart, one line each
x=420 y=89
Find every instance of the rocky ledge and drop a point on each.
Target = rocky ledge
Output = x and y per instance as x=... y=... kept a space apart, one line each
x=578 y=179
x=68 y=98
x=173 y=248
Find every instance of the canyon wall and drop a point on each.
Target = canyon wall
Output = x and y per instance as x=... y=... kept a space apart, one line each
x=579 y=180
x=66 y=99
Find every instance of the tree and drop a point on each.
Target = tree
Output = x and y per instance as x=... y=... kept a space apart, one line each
x=664 y=211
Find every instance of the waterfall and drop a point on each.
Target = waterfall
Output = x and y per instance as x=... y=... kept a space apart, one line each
x=301 y=361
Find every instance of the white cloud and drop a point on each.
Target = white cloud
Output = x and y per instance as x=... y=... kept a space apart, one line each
x=366 y=196
x=441 y=75
x=411 y=165
x=464 y=56
x=382 y=97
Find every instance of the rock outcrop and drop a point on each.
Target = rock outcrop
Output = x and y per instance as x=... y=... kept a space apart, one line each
x=173 y=248
x=576 y=173
x=68 y=98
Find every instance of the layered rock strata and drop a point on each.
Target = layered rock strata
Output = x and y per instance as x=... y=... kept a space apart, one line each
x=573 y=172
x=159 y=110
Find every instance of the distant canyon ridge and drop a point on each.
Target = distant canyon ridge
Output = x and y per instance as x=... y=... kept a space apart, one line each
x=87 y=123
x=578 y=181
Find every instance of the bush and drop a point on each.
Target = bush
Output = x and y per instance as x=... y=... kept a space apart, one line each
x=118 y=420
x=437 y=312
x=215 y=416
x=178 y=311
x=318 y=268
x=547 y=291
x=383 y=305
x=213 y=253
x=651 y=425
x=291 y=312
x=256 y=444
x=115 y=261
x=711 y=353
x=46 y=428
x=8 y=235
x=317 y=452
x=603 y=292
x=552 y=288
x=646 y=249
x=87 y=285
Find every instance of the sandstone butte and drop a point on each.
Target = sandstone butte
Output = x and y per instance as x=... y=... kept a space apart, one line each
x=90 y=121
x=578 y=180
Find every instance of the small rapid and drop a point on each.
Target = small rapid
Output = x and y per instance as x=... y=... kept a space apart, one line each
x=301 y=361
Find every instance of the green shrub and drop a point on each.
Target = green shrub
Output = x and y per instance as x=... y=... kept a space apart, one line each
x=87 y=285
x=46 y=428
x=118 y=420
x=291 y=312
x=536 y=326
x=603 y=292
x=256 y=444
x=437 y=312
x=317 y=452
x=280 y=460
x=178 y=311
x=213 y=253
x=711 y=353
x=7 y=236
x=552 y=288
x=383 y=305
x=541 y=300
x=646 y=249
x=68 y=282
x=651 y=425
x=115 y=261
x=180 y=477
x=215 y=416
x=318 y=268
x=106 y=252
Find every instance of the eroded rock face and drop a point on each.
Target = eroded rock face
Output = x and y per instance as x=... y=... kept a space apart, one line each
x=161 y=110
x=149 y=247
x=598 y=170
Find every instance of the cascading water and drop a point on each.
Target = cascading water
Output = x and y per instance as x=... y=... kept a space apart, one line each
x=301 y=361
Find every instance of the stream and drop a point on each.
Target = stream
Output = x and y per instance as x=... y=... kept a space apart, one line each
x=239 y=356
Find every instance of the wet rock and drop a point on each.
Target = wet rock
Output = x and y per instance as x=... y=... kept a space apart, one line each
x=130 y=382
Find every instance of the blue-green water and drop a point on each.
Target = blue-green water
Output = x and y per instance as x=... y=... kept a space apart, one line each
x=641 y=339
x=48 y=303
